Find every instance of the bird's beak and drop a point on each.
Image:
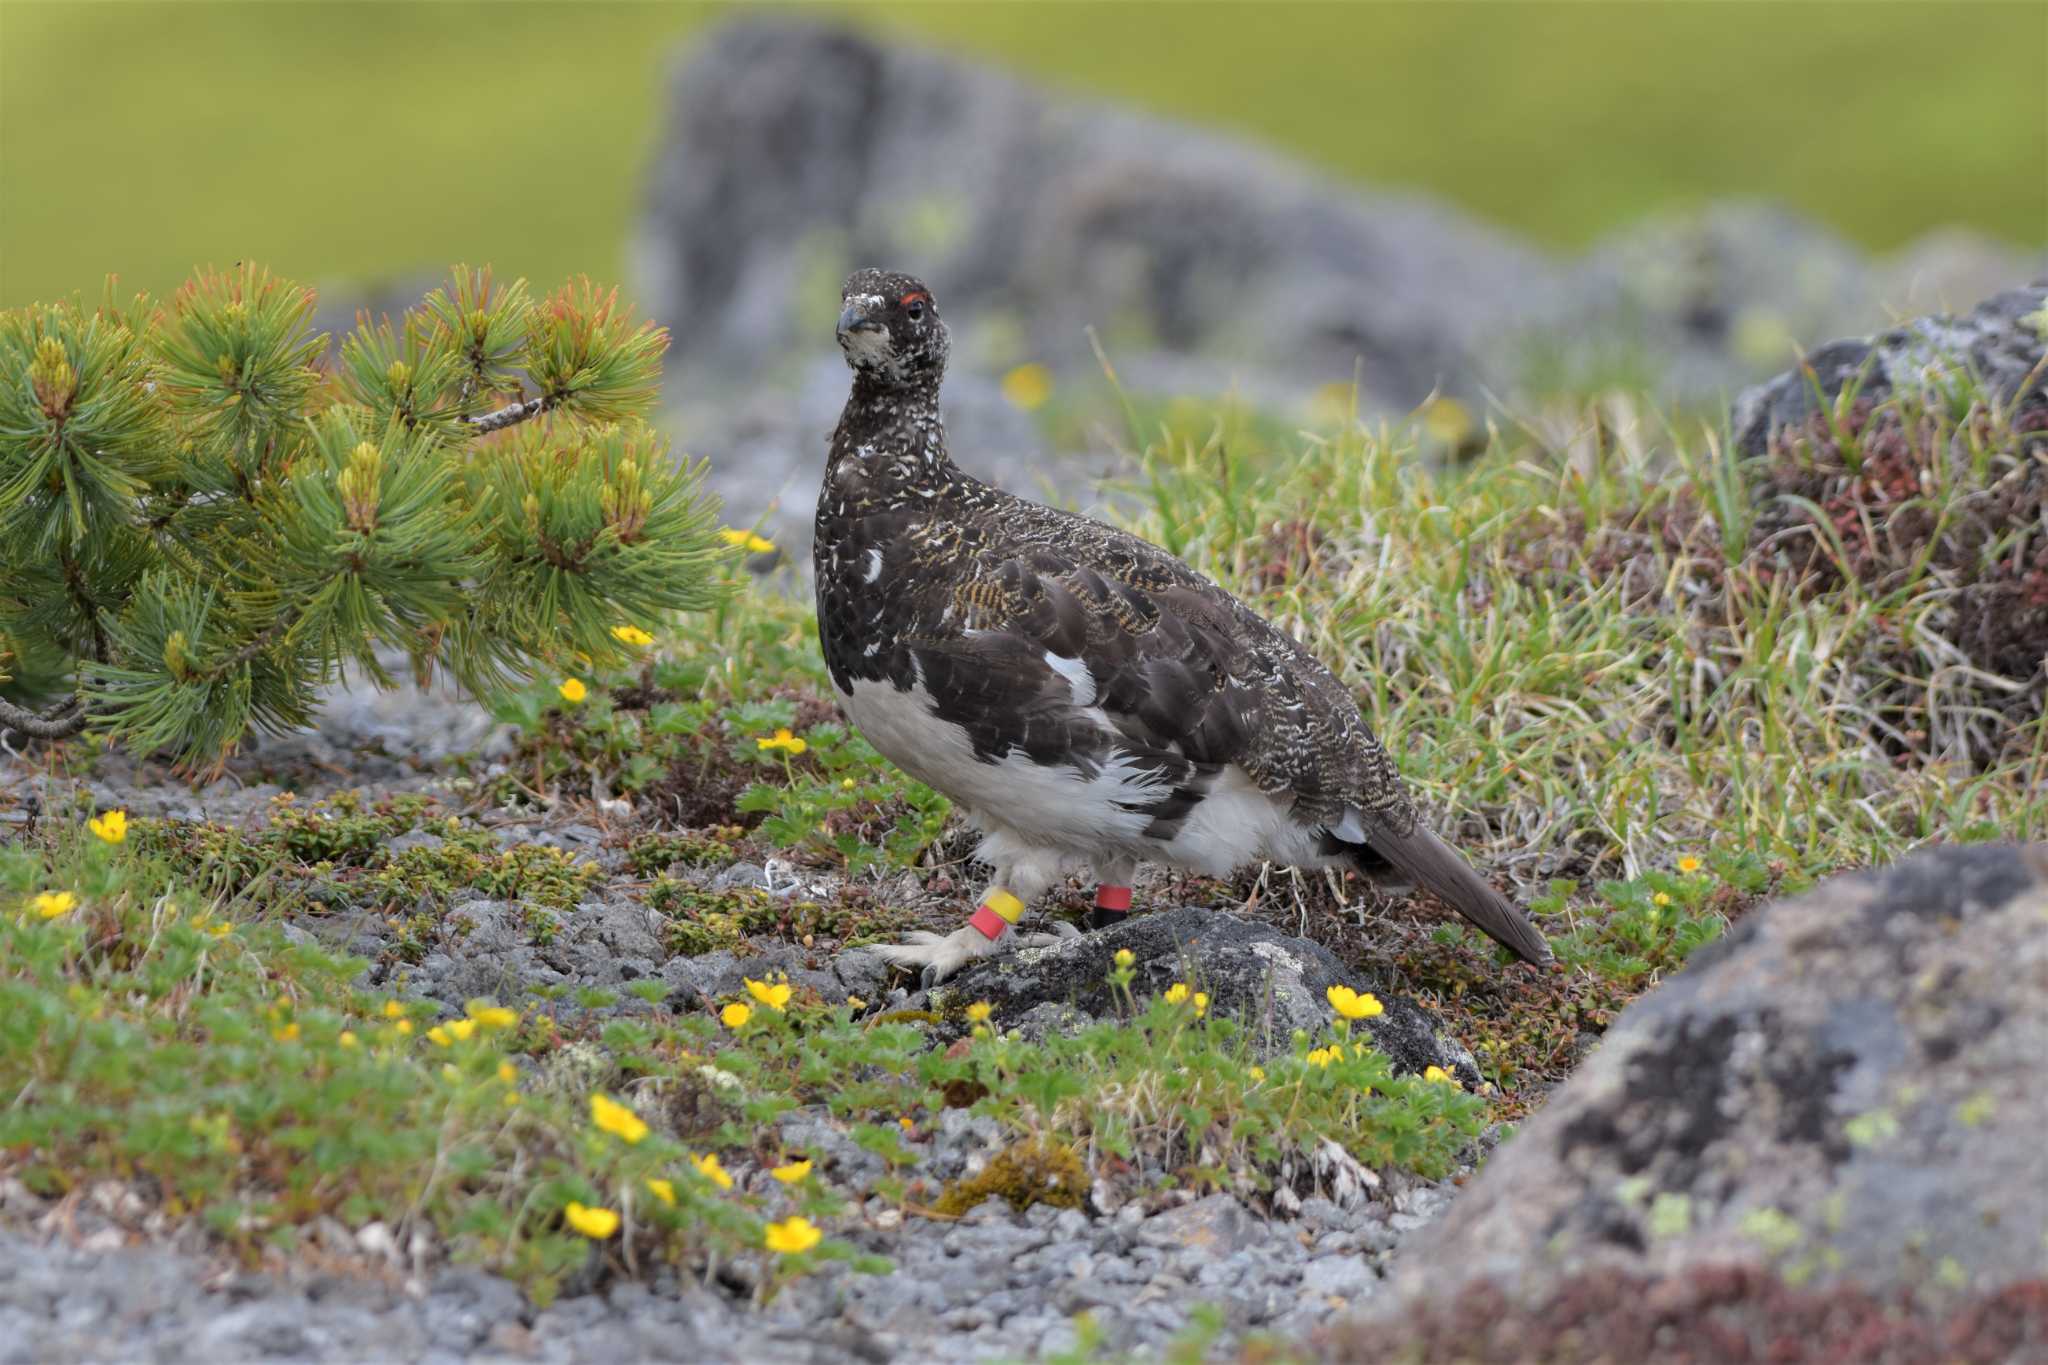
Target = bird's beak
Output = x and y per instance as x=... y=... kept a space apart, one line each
x=853 y=318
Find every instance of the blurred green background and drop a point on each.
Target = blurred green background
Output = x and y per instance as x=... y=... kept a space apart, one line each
x=356 y=139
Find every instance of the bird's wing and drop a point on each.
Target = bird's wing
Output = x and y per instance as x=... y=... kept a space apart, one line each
x=1073 y=642
x=1065 y=634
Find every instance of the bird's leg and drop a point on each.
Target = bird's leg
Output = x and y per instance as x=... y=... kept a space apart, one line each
x=1112 y=892
x=987 y=931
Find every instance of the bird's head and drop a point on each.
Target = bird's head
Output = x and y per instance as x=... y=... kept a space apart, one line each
x=890 y=330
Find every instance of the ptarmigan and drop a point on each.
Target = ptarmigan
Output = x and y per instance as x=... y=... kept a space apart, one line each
x=1086 y=698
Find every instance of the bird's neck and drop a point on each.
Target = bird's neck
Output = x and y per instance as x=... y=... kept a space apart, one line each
x=891 y=437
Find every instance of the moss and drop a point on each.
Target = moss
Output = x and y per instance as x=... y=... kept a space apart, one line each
x=1034 y=1171
x=703 y=921
x=651 y=854
x=908 y=1017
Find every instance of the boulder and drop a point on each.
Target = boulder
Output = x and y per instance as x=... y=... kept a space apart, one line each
x=1844 y=1096
x=1273 y=982
x=793 y=151
x=1999 y=345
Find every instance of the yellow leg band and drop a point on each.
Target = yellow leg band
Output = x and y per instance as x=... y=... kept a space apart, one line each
x=1004 y=904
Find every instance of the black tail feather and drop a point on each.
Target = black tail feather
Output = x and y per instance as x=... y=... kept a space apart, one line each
x=1434 y=865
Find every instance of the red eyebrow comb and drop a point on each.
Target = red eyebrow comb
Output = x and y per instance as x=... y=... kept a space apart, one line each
x=912 y=297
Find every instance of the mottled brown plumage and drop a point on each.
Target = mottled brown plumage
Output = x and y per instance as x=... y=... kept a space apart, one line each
x=1084 y=694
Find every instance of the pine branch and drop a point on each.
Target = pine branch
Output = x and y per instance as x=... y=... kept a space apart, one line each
x=486 y=423
x=62 y=723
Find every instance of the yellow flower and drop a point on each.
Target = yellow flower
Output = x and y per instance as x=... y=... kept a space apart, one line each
x=573 y=690
x=508 y=1073
x=632 y=635
x=664 y=1190
x=393 y=1010
x=745 y=540
x=846 y=782
x=1257 y=1073
x=1125 y=957
x=1320 y=1057
x=1438 y=1075
x=854 y=1002
x=615 y=1118
x=221 y=930
x=437 y=1035
x=461 y=1029
x=289 y=1033
x=112 y=827
x=511 y=1098
x=348 y=1038
x=1028 y=386
x=1353 y=1005
x=50 y=904
x=1201 y=1003
x=783 y=739
x=1337 y=1051
x=905 y=1123
x=792 y=1172
x=1177 y=992
x=735 y=1015
x=793 y=1235
x=1660 y=899
x=596 y=1224
x=708 y=1167
x=403 y=1026
x=1688 y=864
x=980 y=1011
x=494 y=1016
x=774 y=997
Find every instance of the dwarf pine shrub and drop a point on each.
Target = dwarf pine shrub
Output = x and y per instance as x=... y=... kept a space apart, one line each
x=203 y=515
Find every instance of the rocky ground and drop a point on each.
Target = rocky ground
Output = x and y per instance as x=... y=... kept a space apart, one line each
x=96 y=1278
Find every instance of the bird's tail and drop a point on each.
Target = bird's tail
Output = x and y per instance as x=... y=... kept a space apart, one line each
x=1434 y=865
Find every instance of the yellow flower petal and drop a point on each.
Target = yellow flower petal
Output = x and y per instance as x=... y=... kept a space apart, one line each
x=632 y=635
x=573 y=690
x=493 y=1016
x=461 y=1029
x=437 y=1035
x=1688 y=864
x=980 y=1011
x=596 y=1224
x=1201 y=1003
x=348 y=1038
x=1176 y=993
x=1438 y=1075
x=1125 y=957
x=112 y=827
x=508 y=1073
x=792 y=1172
x=50 y=904
x=1354 y=1004
x=393 y=1010
x=616 y=1119
x=782 y=739
x=793 y=1235
x=775 y=997
x=708 y=1167
x=664 y=1190
x=1028 y=386
x=735 y=1015
x=1660 y=899
x=745 y=540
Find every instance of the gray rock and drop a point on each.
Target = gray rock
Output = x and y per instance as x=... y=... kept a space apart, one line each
x=1999 y=344
x=1214 y=1226
x=1845 y=1089
x=1272 y=981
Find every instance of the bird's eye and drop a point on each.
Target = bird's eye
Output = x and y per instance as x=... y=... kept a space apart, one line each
x=916 y=310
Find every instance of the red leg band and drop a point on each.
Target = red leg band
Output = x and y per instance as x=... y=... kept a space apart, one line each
x=1109 y=897
x=988 y=922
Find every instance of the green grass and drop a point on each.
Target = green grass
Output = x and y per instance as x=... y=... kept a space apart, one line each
x=357 y=140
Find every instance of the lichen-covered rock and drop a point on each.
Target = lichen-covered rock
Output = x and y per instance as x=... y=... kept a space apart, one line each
x=1998 y=344
x=1273 y=982
x=1847 y=1090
